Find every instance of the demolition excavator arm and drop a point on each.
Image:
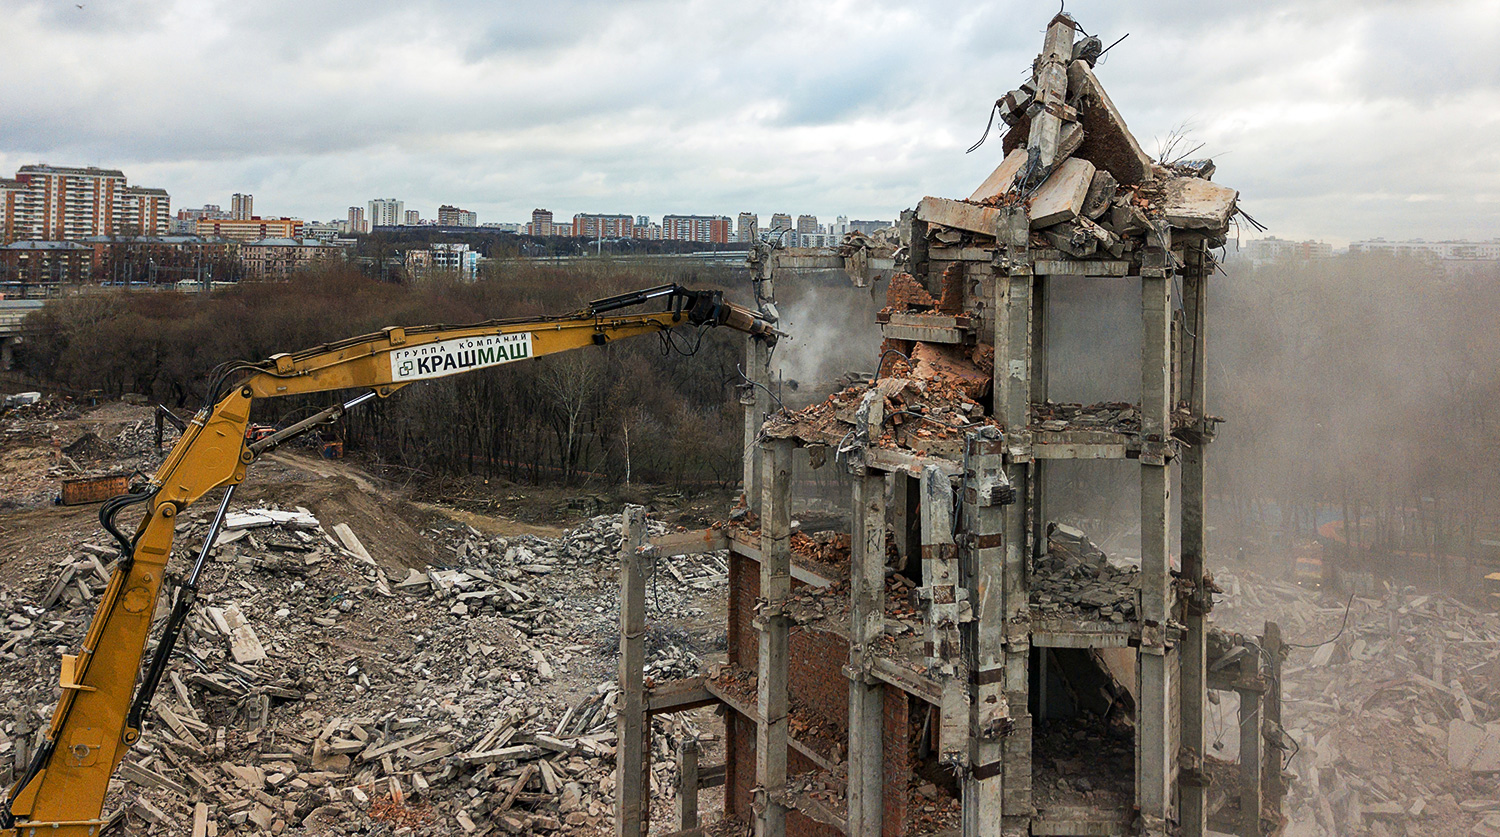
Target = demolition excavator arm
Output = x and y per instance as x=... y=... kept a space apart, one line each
x=104 y=692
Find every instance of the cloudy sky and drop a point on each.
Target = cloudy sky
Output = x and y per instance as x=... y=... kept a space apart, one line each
x=1335 y=120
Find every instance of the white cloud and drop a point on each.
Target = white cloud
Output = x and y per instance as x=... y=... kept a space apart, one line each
x=1335 y=120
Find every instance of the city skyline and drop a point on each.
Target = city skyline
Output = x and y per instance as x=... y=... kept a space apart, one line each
x=859 y=112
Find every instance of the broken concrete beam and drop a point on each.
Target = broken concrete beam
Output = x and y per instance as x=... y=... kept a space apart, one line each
x=347 y=538
x=1107 y=142
x=959 y=215
x=1061 y=197
x=1002 y=178
x=1196 y=204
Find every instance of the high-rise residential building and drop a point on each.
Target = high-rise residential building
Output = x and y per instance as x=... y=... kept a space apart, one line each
x=253 y=228
x=144 y=210
x=12 y=193
x=710 y=229
x=357 y=222
x=807 y=224
x=840 y=225
x=411 y=218
x=780 y=221
x=452 y=216
x=59 y=202
x=386 y=212
x=541 y=222
x=747 y=227
x=869 y=227
x=603 y=226
x=241 y=207
x=642 y=220
x=649 y=231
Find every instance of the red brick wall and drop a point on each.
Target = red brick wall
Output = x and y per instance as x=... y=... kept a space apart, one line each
x=817 y=680
x=744 y=589
x=895 y=752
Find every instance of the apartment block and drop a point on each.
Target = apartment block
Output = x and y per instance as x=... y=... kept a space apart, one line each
x=710 y=229
x=250 y=229
x=603 y=226
x=12 y=195
x=541 y=223
x=357 y=223
x=452 y=216
x=453 y=259
x=68 y=202
x=386 y=212
x=411 y=218
x=279 y=258
x=747 y=227
x=241 y=207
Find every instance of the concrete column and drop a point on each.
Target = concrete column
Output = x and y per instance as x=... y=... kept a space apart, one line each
x=1040 y=291
x=1275 y=786
x=1052 y=88
x=757 y=402
x=866 y=624
x=1193 y=360
x=771 y=683
x=1153 y=744
x=632 y=795
x=993 y=777
x=687 y=785
x=1252 y=748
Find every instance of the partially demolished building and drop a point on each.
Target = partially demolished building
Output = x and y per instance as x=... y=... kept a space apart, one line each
x=956 y=663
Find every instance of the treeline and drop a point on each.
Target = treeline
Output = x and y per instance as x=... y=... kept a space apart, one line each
x=1360 y=391
x=630 y=409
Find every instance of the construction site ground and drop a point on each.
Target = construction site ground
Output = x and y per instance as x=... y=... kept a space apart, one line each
x=1379 y=716
x=361 y=662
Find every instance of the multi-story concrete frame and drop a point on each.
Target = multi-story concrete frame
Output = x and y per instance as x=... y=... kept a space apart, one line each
x=931 y=654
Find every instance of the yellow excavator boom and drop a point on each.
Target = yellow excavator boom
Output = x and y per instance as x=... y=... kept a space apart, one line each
x=98 y=717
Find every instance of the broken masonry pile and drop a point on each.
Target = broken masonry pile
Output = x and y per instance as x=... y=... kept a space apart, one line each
x=1392 y=723
x=310 y=690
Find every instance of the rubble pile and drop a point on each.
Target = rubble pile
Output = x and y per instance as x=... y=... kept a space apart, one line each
x=50 y=440
x=1107 y=416
x=309 y=689
x=1393 y=722
x=1075 y=577
x=920 y=415
x=534 y=581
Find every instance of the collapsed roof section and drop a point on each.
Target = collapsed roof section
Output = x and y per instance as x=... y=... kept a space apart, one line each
x=1072 y=162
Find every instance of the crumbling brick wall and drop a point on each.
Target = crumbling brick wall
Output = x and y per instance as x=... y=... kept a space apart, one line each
x=817 y=683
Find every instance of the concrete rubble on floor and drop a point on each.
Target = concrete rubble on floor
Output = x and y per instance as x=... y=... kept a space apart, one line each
x=1393 y=720
x=310 y=689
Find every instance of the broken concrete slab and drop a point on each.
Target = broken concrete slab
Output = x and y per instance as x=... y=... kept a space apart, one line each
x=1061 y=197
x=1473 y=747
x=959 y=215
x=1002 y=178
x=1107 y=142
x=1196 y=204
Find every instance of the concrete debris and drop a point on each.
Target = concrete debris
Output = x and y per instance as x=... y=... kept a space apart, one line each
x=301 y=696
x=1388 y=716
x=1075 y=577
